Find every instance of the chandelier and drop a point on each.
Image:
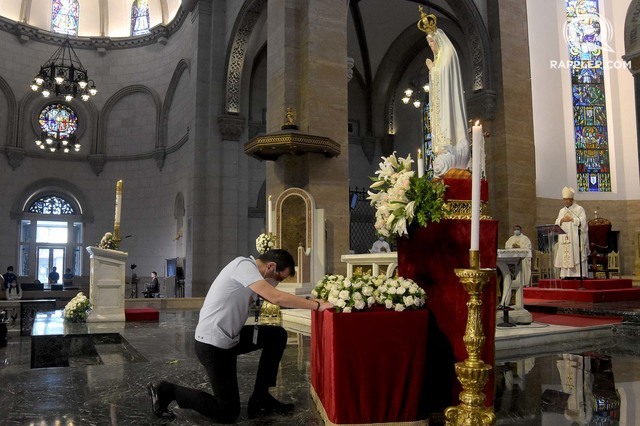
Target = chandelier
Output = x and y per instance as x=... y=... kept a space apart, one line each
x=57 y=142
x=64 y=75
x=413 y=96
x=418 y=90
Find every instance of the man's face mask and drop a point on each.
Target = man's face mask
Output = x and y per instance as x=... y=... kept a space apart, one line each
x=516 y=232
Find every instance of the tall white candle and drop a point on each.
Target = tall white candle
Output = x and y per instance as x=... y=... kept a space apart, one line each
x=116 y=225
x=420 y=164
x=269 y=215
x=476 y=174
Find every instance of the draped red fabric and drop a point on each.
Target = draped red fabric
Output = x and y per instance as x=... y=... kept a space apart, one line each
x=429 y=256
x=368 y=367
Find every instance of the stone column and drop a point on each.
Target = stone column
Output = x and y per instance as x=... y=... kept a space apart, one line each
x=107 y=284
x=510 y=149
x=307 y=71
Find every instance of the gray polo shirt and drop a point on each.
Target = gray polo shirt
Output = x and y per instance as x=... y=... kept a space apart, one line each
x=226 y=307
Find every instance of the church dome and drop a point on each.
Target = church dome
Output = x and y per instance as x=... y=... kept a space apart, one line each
x=92 y=18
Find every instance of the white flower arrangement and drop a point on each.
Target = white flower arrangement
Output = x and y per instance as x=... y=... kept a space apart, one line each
x=265 y=242
x=400 y=294
x=394 y=211
x=108 y=242
x=78 y=308
x=400 y=197
x=360 y=292
x=346 y=294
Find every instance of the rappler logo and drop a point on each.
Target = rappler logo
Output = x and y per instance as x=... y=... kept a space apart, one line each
x=588 y=35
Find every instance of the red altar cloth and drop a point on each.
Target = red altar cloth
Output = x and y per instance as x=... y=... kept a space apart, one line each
x=368 y=367
x=429 y=256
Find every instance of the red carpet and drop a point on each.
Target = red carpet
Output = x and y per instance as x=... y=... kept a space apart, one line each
x=574 y=320
x=141 y=314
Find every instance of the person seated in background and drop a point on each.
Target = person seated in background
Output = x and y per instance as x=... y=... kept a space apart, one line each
x=520 y=241
x=14 y=291
x=9 y=277
x=54 y=276
x=67 y=278
x=153 y=288
x=380 y=246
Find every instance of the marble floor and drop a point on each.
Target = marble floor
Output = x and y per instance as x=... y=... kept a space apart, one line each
x=550 y=382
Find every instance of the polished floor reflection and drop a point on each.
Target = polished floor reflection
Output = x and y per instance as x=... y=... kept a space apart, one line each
x=582 y=382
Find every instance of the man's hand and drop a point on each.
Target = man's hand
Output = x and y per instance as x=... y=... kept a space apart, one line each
x=515 y=246
x=324 y=305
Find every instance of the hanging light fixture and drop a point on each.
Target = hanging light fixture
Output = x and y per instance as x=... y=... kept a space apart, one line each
x=57 y=142
x=63 y=75
x=417 y=91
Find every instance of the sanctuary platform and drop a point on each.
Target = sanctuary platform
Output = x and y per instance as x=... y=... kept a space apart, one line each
x=594 y=290
x=110 y=388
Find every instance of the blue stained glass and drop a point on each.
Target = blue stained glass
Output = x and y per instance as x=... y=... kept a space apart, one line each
x=51 y=204
x=140 y=17
x=58 y=119
x=583 y=32
x=65 y=16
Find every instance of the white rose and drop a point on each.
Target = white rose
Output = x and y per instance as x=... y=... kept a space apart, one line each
x=371 y=301
x=359 y=304
x=388 y=303
x=392 y=290
x=401 y=290
x=344 y=294
x=399 y=307
x=408 y=300
x=357 y=296
x=340 y=303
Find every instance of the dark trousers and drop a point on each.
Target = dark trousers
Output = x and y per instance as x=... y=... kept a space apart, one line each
x=221 y=367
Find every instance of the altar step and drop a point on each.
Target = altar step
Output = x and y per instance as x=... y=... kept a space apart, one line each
x=589 y=284
x=595 y=291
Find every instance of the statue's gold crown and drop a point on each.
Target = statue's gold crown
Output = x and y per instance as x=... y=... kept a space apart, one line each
x=427 y=23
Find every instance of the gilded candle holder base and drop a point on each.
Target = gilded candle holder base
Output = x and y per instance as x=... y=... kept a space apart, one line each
x=473 y=373
x=270 y=314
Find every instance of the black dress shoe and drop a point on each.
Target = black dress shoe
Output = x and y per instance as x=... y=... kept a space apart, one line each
x=163 y=413
x=267 y=404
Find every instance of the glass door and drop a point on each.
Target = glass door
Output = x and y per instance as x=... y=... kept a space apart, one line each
x=48 y=257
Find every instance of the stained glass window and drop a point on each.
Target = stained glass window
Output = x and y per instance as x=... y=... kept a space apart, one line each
x=139 y=17
x=58 y=120
x=583 y=33
x=427 y=147
x=50 y=204
x=65 y=16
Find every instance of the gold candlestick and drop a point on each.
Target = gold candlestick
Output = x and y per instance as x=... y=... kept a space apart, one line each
x=473 y=373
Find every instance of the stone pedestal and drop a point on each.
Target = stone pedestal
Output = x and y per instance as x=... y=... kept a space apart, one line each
x=107 y=284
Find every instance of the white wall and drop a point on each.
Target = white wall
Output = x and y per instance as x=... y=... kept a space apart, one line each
x=553 y=109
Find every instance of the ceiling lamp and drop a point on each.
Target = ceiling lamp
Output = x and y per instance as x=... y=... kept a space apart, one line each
x=57 y=142
x=63 y=75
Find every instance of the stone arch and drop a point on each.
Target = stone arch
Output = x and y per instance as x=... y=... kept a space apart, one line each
x=309 y=207
x=243 y=27
x=12 y=116
x=52 y=186
x=113 y=100
x=182 y=66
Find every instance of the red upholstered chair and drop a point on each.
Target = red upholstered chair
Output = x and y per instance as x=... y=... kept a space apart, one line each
x=599 y=232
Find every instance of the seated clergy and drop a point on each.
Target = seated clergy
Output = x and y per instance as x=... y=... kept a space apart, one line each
x=520 y=241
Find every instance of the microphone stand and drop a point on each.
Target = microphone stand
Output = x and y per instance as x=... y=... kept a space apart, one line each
x=580 y=253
